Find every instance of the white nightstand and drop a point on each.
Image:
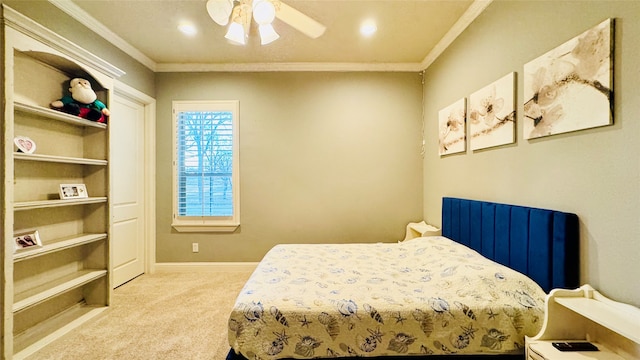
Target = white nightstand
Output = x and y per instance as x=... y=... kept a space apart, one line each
x=586 y=315
x=543 y=350
x=415 y=230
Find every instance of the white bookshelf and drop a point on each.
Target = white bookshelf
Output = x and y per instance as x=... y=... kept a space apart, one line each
x=51 y=289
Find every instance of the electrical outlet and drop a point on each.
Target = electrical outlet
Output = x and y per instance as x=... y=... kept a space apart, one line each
x=194 y=247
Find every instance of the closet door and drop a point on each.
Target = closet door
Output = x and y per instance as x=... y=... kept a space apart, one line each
x=127 y=161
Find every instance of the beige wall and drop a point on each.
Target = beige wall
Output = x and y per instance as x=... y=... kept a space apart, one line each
x=593 y=173
x=49 y=16
x=324 y=157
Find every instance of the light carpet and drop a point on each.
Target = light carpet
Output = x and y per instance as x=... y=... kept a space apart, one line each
x=158 y=316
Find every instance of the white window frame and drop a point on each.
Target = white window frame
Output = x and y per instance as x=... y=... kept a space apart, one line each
x=208 y=223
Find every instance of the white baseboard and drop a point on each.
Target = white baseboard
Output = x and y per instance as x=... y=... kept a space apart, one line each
x=205 y=266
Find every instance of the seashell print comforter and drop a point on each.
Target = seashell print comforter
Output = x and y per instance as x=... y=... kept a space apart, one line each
x=429 y=295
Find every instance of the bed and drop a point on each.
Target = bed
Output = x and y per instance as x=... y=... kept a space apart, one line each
x=476 y=290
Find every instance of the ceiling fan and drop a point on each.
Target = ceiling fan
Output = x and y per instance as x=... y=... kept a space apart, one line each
x=238 y=14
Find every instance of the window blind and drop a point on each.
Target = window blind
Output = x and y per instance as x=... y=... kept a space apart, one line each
x=205 y=163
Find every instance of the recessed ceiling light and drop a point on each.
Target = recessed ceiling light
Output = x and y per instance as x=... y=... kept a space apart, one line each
x=187 y=28
x=368 y=28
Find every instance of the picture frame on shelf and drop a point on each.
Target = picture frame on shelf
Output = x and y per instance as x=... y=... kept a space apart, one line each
x=26 y=240
x=73 y=191
x=24 y=144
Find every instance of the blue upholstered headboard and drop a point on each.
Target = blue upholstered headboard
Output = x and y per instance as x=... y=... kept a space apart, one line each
x=543 y=244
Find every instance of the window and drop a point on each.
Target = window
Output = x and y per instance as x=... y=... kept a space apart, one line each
x=206 y=181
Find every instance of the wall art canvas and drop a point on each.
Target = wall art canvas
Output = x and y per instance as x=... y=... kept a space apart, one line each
x=570 y=87
x=452 y=128
x=492 y=114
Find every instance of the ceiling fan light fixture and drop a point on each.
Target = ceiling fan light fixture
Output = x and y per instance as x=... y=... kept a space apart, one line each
x=220 y=10
x=267 y=34
x=264 y=12
x=238 y=29
x=236 y=33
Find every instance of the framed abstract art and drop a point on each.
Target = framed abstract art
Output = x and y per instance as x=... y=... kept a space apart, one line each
x=571 y=87
x=452 y=128
x=492 y=114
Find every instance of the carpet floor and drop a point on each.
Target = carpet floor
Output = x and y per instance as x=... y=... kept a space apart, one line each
x=158 y=316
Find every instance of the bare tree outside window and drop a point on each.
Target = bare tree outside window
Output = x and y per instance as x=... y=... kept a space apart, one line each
x=205 y=163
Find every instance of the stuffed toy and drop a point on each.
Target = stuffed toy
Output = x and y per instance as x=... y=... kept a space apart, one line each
x=82 y=102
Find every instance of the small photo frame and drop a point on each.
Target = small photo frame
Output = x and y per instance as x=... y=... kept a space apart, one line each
x=26 y=240
x=73 y=191
x=24 y=144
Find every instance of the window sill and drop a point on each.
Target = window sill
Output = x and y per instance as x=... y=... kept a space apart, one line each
x=200 y=227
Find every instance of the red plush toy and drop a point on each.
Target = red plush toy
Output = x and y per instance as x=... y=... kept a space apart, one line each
x=82 y=102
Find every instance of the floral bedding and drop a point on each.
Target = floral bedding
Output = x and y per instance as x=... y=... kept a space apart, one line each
x=429 y=295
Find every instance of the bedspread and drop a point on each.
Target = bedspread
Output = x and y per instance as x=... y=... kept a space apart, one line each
x=429 y=295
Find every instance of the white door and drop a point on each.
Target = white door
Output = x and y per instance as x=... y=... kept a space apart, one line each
x=127 y=185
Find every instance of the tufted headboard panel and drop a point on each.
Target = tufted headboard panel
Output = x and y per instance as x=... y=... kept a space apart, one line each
x=543 y=244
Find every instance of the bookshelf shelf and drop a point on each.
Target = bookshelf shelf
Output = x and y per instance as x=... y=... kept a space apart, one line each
x=55 y=286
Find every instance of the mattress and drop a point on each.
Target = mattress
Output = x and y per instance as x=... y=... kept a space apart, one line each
x=429 y=295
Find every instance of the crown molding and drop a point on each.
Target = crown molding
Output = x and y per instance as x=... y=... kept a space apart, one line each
x=81 y=16
x=25 y=25
x=474 y=10
x=291 y=67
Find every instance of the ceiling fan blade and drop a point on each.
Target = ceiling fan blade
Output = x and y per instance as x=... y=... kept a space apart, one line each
x=220 y=10
x=299 y=21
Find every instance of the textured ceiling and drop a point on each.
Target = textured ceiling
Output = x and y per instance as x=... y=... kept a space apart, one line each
x=407 y=33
